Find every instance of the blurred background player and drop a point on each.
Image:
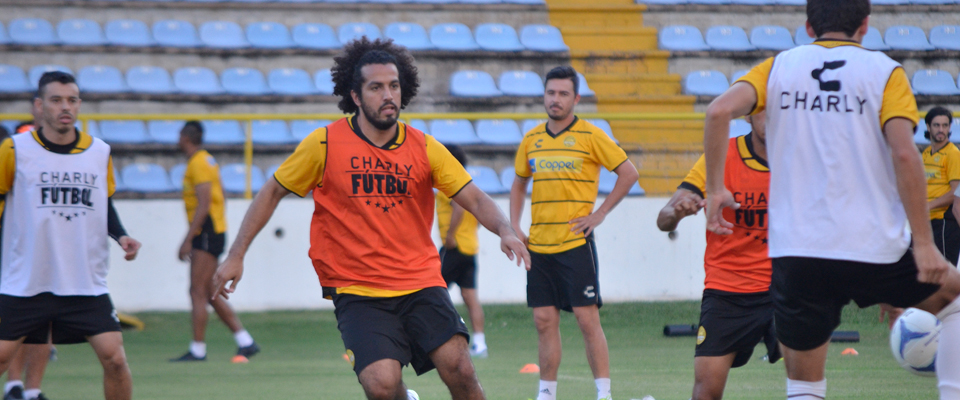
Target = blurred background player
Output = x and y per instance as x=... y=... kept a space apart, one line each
x=941 y=163
x=564 y=157
x=736 y=312
x=203 y=245
x=458 y=257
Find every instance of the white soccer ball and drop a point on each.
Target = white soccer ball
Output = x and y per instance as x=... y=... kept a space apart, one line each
x=914 y=340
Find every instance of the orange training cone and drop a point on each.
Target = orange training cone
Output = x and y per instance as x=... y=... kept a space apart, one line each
x=850 y=351
x=239 y=359
x=530 y=369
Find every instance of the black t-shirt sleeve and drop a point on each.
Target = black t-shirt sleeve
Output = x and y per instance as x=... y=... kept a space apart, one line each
x=114 y=227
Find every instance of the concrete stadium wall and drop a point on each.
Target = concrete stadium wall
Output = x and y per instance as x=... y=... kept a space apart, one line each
x=637 y=261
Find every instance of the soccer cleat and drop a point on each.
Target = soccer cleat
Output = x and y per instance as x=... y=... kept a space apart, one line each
x=248 y=351
x=40 y=397
x=188 y=357
x=412 y=395
x=478 y=353
x=16 y=393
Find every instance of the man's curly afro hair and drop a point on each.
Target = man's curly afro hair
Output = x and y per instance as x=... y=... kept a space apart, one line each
x=358 y=53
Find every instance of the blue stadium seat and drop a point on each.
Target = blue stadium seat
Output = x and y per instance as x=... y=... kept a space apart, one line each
x=729 y=38
x=473 y=84
x=176 y=176
x=945 y=37
x=269 y=35
x=499 y=131
x=486 y=179
x=37 y=71
x=542 y=38
x=123 y=132
x=175 y=33
x=4 y=38
x=355 y=30
x=498 y=37
x=682 y=38
x=705 y=83
x=33 y=31
x=535 y=2
x=234 y=178
x=300 y=129
x=874 y=41
x=82 y=32
x=271 y=132
x=453 y=131
x=792 y=3
x=223 y=132
x=737 y=75
x=164 y=131
x=454 y=36
x=907 y=38
x=508 y=175
x=608 y=180
x=671 y=2
x=324 y=81
x=290 y=81
x=222 y=34
x=409 y=35
x=771 y=37
x=92 y=128
x=584 y=89
x=420 y=125
x=739 y=127
x=146 y=178
x=934 y=82
x=521 y=83
x=128 y=32
x=10 y=125
x=529 y=124
x=801 y=37
x=918 y=136
x=197 y=80
x=148 y=79
x=315 y=36
x=271 y=171
x=101 y=79
x=244 y=81
x=13 y=79
x=605 y=127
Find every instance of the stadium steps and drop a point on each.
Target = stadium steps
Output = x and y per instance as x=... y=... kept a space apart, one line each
x=598 y=15
x=618 y=62
x=662 y=172
x=671 y=136
x=634 y=85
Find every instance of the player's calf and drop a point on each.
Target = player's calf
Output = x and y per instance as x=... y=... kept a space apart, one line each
x=456 y=369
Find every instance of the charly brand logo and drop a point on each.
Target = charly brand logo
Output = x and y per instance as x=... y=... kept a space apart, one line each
x=69 y=194
x=380 y=183
x=828 y=86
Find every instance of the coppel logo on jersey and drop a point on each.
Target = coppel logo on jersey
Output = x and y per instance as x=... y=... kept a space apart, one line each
x=556 y=164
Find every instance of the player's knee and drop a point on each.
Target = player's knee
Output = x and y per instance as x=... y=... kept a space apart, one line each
x=545 y=323
x=705 y=391
x=382 y=389
x=114 y=364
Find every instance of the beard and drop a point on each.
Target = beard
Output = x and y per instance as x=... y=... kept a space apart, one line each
x=557 y=115
x=371 y=115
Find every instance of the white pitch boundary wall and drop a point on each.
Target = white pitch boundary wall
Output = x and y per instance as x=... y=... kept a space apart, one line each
x=637 y=261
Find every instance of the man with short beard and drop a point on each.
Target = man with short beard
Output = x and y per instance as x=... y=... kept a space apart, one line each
x=941 y=163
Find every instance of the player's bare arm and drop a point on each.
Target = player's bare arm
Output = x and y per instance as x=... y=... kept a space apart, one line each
x=518 y=193
x=944 y=201
x=478 y=203
x=199 y=216
x=683 y=204
x=260 y=211
x=456 y=217
x=736 y=102
x=627 y=175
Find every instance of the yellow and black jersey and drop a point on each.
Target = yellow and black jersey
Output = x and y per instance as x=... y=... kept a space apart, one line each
x=8 y=158
x=202 y=168
x=466 y=234
x=941 y=168
x=565 y=167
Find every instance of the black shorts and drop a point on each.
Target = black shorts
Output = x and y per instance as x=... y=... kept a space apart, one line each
x=564 y=280
x=405 y=328
x=209 y=240
x=946 y=235
x=736 y=323
x=70 y=318
x=458 y=268
x=809 y=293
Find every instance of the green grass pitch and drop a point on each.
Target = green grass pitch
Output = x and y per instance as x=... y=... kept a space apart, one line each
x=302 y=358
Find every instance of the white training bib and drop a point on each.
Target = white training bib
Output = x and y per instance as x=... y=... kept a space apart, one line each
x=55 y=222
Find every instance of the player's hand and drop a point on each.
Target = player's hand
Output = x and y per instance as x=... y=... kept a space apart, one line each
x=587 y=224
x=931 y=265
x=715 y=203
x=523 y=237
x=892 y=312
x=514 y=247
x=230 y=271
x=450 y=242
x=130 y=246
x=687 y=206
x=185 y=248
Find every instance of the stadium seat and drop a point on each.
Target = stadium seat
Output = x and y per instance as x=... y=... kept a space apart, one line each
x=355 y=30
x=271 y=132
x=739 y=127
x=128 y=32
x=737 y=75
x=584 y=89
x=705 y=83
x=907 y=38
x=521 y=83
x=420 y=125
x=223 y=132
x=175 y=33
x=246 y=81
x=508 y=175
x=93 y=128
x=682 y=38
x=771 y=37
x=290 y=81
x=167 y=132
x=4 y=38
x=80 y=32
x=234 y=178
x=608 y=180
x=499 y=131
x=147 y=79
x=918 y=136
x=324 y=81
x=300 y=129
x=176 y=176
x=269 y=35
x=945 y=37
x=315 y=36
x=222 y=34
x=529 y=124
x=453 y=131
x=271 y=171
x=409 y=35
x=9 y=125
x=934 y=82
x=197 y=80
x=453 y=36
x=473 y=84
x=801 y=37
x=542 y=38
x=874 y=41
x=498 y=37
x=146 y=178
x=13 y=79
x=486 y=179
x=123 y=132
x=101 y=79
x=605 y=127
x=32 y=31
x=535 y=2
x=728 y=38
x=37 y=71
